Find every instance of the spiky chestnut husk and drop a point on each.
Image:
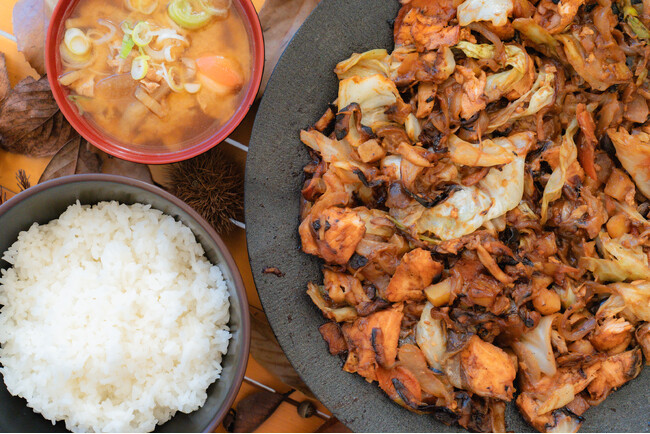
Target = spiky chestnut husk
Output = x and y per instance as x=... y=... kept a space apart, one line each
x=212 y=185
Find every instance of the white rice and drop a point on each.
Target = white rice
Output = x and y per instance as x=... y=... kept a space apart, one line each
x=113 y=319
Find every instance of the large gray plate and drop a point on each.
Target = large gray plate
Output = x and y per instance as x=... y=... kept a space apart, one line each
x=298 y=93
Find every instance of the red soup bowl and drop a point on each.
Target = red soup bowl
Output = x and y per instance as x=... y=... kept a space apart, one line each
x=203 y=141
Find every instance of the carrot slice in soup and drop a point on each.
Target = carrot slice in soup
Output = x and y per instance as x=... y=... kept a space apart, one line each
x=221 y=70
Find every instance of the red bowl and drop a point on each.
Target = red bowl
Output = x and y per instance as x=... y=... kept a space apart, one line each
x=122 y=150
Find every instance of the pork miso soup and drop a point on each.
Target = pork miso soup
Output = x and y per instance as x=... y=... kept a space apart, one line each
x=156 y=73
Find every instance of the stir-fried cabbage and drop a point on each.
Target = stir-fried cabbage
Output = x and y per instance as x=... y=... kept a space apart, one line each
x=364 y=64
x=568 y=155
x=496 y=11
x=633 y=151
x=373 y=94
x=469 y=208
x=500 y=83
x=431 y=336
x=636 y=296
x=485 y=154
x=534 y=350
x=541 y=95
x=596 y=71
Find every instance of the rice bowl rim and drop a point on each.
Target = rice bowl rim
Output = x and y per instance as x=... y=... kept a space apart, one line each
x=239 y=288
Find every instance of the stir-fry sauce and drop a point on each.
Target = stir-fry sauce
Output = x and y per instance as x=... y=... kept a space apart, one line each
x=480 y=197
x=155 y=73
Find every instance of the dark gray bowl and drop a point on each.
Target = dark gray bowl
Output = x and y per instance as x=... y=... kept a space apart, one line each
x=46 y=202
x=301 y=87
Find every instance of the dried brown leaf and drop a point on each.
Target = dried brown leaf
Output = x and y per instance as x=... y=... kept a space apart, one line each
x=30 y=120
x=255 y=409
x=76 y=156
x=30 y=19
x=5 y=86
x=280 y=19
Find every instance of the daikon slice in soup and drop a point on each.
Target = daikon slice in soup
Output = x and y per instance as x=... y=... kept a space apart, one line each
x=156 y=73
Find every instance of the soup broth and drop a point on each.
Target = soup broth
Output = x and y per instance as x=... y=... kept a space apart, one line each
x=156 y=73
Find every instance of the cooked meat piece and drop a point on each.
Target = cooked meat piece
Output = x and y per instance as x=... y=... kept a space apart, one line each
x=612 y=336
x=415 y=272
x=334 y=235
x=333 y=335
x=615 y=371
x=343 y=288
x=372 y=341
x=643 y=339
x=487 y=370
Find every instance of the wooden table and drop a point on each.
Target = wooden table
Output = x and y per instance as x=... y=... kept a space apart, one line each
x=286 y=418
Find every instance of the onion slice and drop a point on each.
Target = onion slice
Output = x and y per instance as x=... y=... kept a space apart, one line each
x=76 y=41
x=168 y=75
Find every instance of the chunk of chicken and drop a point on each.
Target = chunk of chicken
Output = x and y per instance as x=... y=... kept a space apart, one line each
x=487 y=370
x=561 y=420
x=633 y=151
x=343 y=288
x=424 y=23
x=333 y=335
x=372 y=342
x=415 y=272
x=542 y=403
x=643 y=339
x=615 y=371
x=612 y=336
x=333 y=235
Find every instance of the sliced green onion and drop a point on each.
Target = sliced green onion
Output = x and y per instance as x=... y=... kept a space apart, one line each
x=77 y=41
x=140 y=67
x=168 y=75
x=192 y=87
x=136 y=5
x=638 y=27
x=127 y=46
x=217 y=12
x=184 y=15
x=75 y=100
x=74 y=60
x=141 y=34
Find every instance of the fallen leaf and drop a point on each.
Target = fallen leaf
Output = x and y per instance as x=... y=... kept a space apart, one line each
x=266 y=350
x=253 y=410
x=76 y=156
x=116 y=166
x=30 y=120
x=30 y=19
x=5 y=86
x=280 y=19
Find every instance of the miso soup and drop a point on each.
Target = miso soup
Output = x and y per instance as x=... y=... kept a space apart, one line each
x=156 y=72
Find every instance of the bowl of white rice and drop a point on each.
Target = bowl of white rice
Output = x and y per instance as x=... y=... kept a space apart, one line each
x=121 y=310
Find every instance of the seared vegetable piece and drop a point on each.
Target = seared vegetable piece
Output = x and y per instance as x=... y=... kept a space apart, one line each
x=415 y=272
x=372 y=342
x=334 y=235
x=343 y=288
x=633 y=151
x=487 y=370
x=615 y=371
x=333 y=335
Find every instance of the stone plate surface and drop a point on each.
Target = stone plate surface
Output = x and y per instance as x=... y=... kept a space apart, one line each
x=298 y=93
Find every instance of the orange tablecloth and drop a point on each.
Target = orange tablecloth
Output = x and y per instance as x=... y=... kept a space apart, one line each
x=285 y=419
